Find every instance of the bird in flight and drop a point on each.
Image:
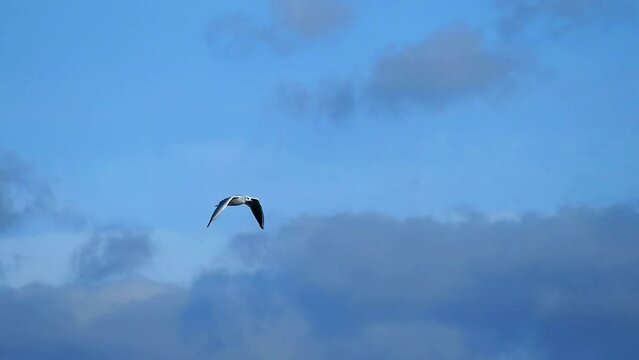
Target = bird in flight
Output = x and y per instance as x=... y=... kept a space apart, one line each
x=252 y=202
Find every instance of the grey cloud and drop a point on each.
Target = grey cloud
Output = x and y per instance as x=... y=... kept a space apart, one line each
x=450 y=64
x=561 y=15
x=112 y=251
x=559 y=286
x=245 y=316
x=295 y=22
x=43 y=322
x=25 y=198
x=32 y=316
x=553 y=287
x=332 y=99
x=312 y=18
x=238 y=35
x=139 y=319
x=295 y=98
x=22 y=195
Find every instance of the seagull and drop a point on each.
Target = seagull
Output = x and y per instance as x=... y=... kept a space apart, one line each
x=252 y=202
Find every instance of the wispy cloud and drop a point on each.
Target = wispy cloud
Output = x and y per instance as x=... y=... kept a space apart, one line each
x=24 y=197
x=238 y=35
x=560 y=16
x=450 y=65
x=112 y=251
x=312 y=18
x=21 y=195
x=332 y=99
x=293 y=24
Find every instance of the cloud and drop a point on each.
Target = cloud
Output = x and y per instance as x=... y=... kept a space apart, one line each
x=237 y=35
x=244 y=316
x=450 y=64
x=311 y=18
x=553 y=287
x=42 y=322
x=366 y=286
x=332 y=99
x=561 y=15
x=112 y=251
x=26 y=198
x=22 y=195
x=294 y=23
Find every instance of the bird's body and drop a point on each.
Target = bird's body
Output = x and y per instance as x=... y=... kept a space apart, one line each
x=236 y=200
x=251 y=202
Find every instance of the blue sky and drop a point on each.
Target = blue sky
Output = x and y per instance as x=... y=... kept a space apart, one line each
x=122 y=124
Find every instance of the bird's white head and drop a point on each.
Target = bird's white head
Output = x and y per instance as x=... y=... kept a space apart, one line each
x=247 y=198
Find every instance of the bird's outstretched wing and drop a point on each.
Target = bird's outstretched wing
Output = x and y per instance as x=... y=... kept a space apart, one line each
x=256 y=209
x=219 y=208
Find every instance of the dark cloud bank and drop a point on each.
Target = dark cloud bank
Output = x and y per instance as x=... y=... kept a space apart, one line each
x=563 y=286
